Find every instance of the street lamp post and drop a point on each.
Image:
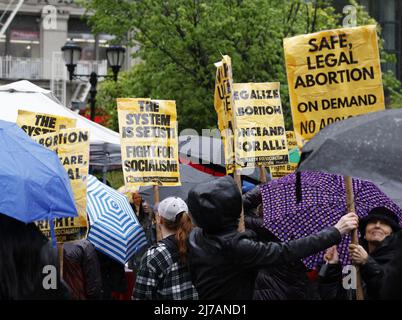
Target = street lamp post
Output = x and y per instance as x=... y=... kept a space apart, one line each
x=72 y=53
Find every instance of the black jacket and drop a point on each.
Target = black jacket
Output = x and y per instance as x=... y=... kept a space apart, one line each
x=145 y=219
x=285 y=282
x=252 y=199
x=49 y=257
x=225 y=265
x=113 y=276
x=255 y=224
x=392 y=281
x=374 y=270
x=372 y=274
x=81 y=270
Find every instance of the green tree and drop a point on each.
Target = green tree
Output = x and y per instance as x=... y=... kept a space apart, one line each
x=181 y=39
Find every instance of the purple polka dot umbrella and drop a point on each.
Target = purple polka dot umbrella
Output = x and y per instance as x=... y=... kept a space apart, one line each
x=322 y=204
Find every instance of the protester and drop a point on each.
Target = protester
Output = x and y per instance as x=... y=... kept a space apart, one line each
x=144 y=215
x=113 y=274
x=372 y=256
x=163 y=273
x=26 y=258
x=223 y=262
x=81 y=270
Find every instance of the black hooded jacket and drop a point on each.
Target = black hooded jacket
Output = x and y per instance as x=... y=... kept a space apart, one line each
x=392 y=281
x=223 y=262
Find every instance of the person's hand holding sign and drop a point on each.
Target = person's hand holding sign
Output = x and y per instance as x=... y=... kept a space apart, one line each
x=357 y=254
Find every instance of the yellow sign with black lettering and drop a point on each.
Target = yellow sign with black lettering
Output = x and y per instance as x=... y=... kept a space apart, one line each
x=72 y=147
x=332 y=75
x=149 y=143
x=223 y=102
x=285 y=169
x=34 y=123
x=260 y=127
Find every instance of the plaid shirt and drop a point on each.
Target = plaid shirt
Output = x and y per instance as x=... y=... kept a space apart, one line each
x=161 y=276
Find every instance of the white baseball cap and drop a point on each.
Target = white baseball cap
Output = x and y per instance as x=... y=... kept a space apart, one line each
x=170 y=207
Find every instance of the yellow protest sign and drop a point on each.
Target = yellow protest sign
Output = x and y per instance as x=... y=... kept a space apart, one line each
x=149 y=143
x=285 y=169
x=223 y=102
x=72 y=147
x=332 y=75
x=291 y=139
x=34 y=123
x=260 y=127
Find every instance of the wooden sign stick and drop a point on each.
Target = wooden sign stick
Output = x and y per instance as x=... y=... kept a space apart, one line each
x=156 y=200
x=263 y=175
x=237 y=179
x=61 y=255
x=350 y=204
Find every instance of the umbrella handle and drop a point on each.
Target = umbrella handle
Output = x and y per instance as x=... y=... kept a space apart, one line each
x=52 y=233
x=350 y=204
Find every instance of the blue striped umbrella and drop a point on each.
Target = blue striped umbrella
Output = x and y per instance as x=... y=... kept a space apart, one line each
x=114 y=227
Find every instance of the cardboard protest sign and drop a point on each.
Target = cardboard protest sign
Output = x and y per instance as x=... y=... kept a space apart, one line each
x=332 y=75
x=223 y=102
x=283 y=170
x=34 y=123
x=260 y=127
x=149 y=143
x=72 y=147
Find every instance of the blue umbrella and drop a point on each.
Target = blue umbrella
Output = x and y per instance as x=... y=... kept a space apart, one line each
x=247 y=186
x=34 y=185
x=114 y=228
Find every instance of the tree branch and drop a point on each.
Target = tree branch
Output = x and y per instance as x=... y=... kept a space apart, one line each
x=293 y=20
x=308 y=18
x=315 y=16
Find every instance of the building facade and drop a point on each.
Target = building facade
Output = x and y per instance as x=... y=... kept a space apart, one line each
x=31 y=41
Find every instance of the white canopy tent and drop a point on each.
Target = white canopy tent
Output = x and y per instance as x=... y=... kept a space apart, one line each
x=105 y=143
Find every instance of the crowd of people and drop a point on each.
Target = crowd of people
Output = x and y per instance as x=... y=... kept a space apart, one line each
x=203 y=255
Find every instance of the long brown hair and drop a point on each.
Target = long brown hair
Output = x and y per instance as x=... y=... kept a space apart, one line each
x=182 y=225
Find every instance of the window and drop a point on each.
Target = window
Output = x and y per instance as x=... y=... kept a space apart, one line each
x=80 y=33
x=22 y=38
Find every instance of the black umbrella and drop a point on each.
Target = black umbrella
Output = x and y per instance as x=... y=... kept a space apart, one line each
x=208 y=151
x=368 y=147
x=189 y=178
